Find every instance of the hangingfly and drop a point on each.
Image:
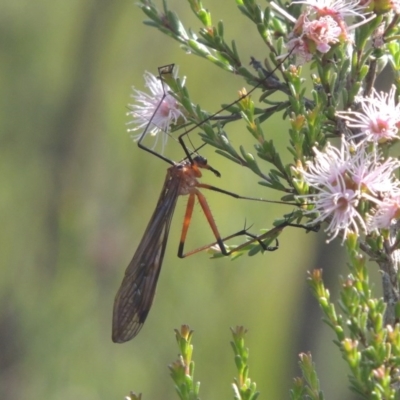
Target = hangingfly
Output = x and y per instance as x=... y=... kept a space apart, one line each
x=136 y=293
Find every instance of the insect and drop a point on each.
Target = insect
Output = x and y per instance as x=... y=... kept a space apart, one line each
x=136 y=293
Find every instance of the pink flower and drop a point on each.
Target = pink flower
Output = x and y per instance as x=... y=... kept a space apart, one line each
x=328 y=165
x=395 y=6
x=344 y=178
x=379 y=118
x=335 y=8
x=309 y=36
x=387 y=210
x=324 y=32
x=375 y=178
x=338 y=205
x=322 y=25
x=154 y=112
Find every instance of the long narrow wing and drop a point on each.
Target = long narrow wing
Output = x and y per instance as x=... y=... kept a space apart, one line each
x=135 y=295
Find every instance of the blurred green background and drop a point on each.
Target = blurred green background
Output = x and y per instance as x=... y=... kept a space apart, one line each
x=76 y=197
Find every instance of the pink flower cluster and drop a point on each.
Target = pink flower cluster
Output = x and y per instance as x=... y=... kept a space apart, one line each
x=349 y=181
x=322 y=25
x=378 y=118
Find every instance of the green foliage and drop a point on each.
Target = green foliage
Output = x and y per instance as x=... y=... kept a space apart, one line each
x=243 y=387
x=71 y=179
x=367 y=342
x=306 y=387
x=182 y=370
x=370 y=349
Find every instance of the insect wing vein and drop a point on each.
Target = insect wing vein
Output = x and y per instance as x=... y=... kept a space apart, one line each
x=135 y=295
